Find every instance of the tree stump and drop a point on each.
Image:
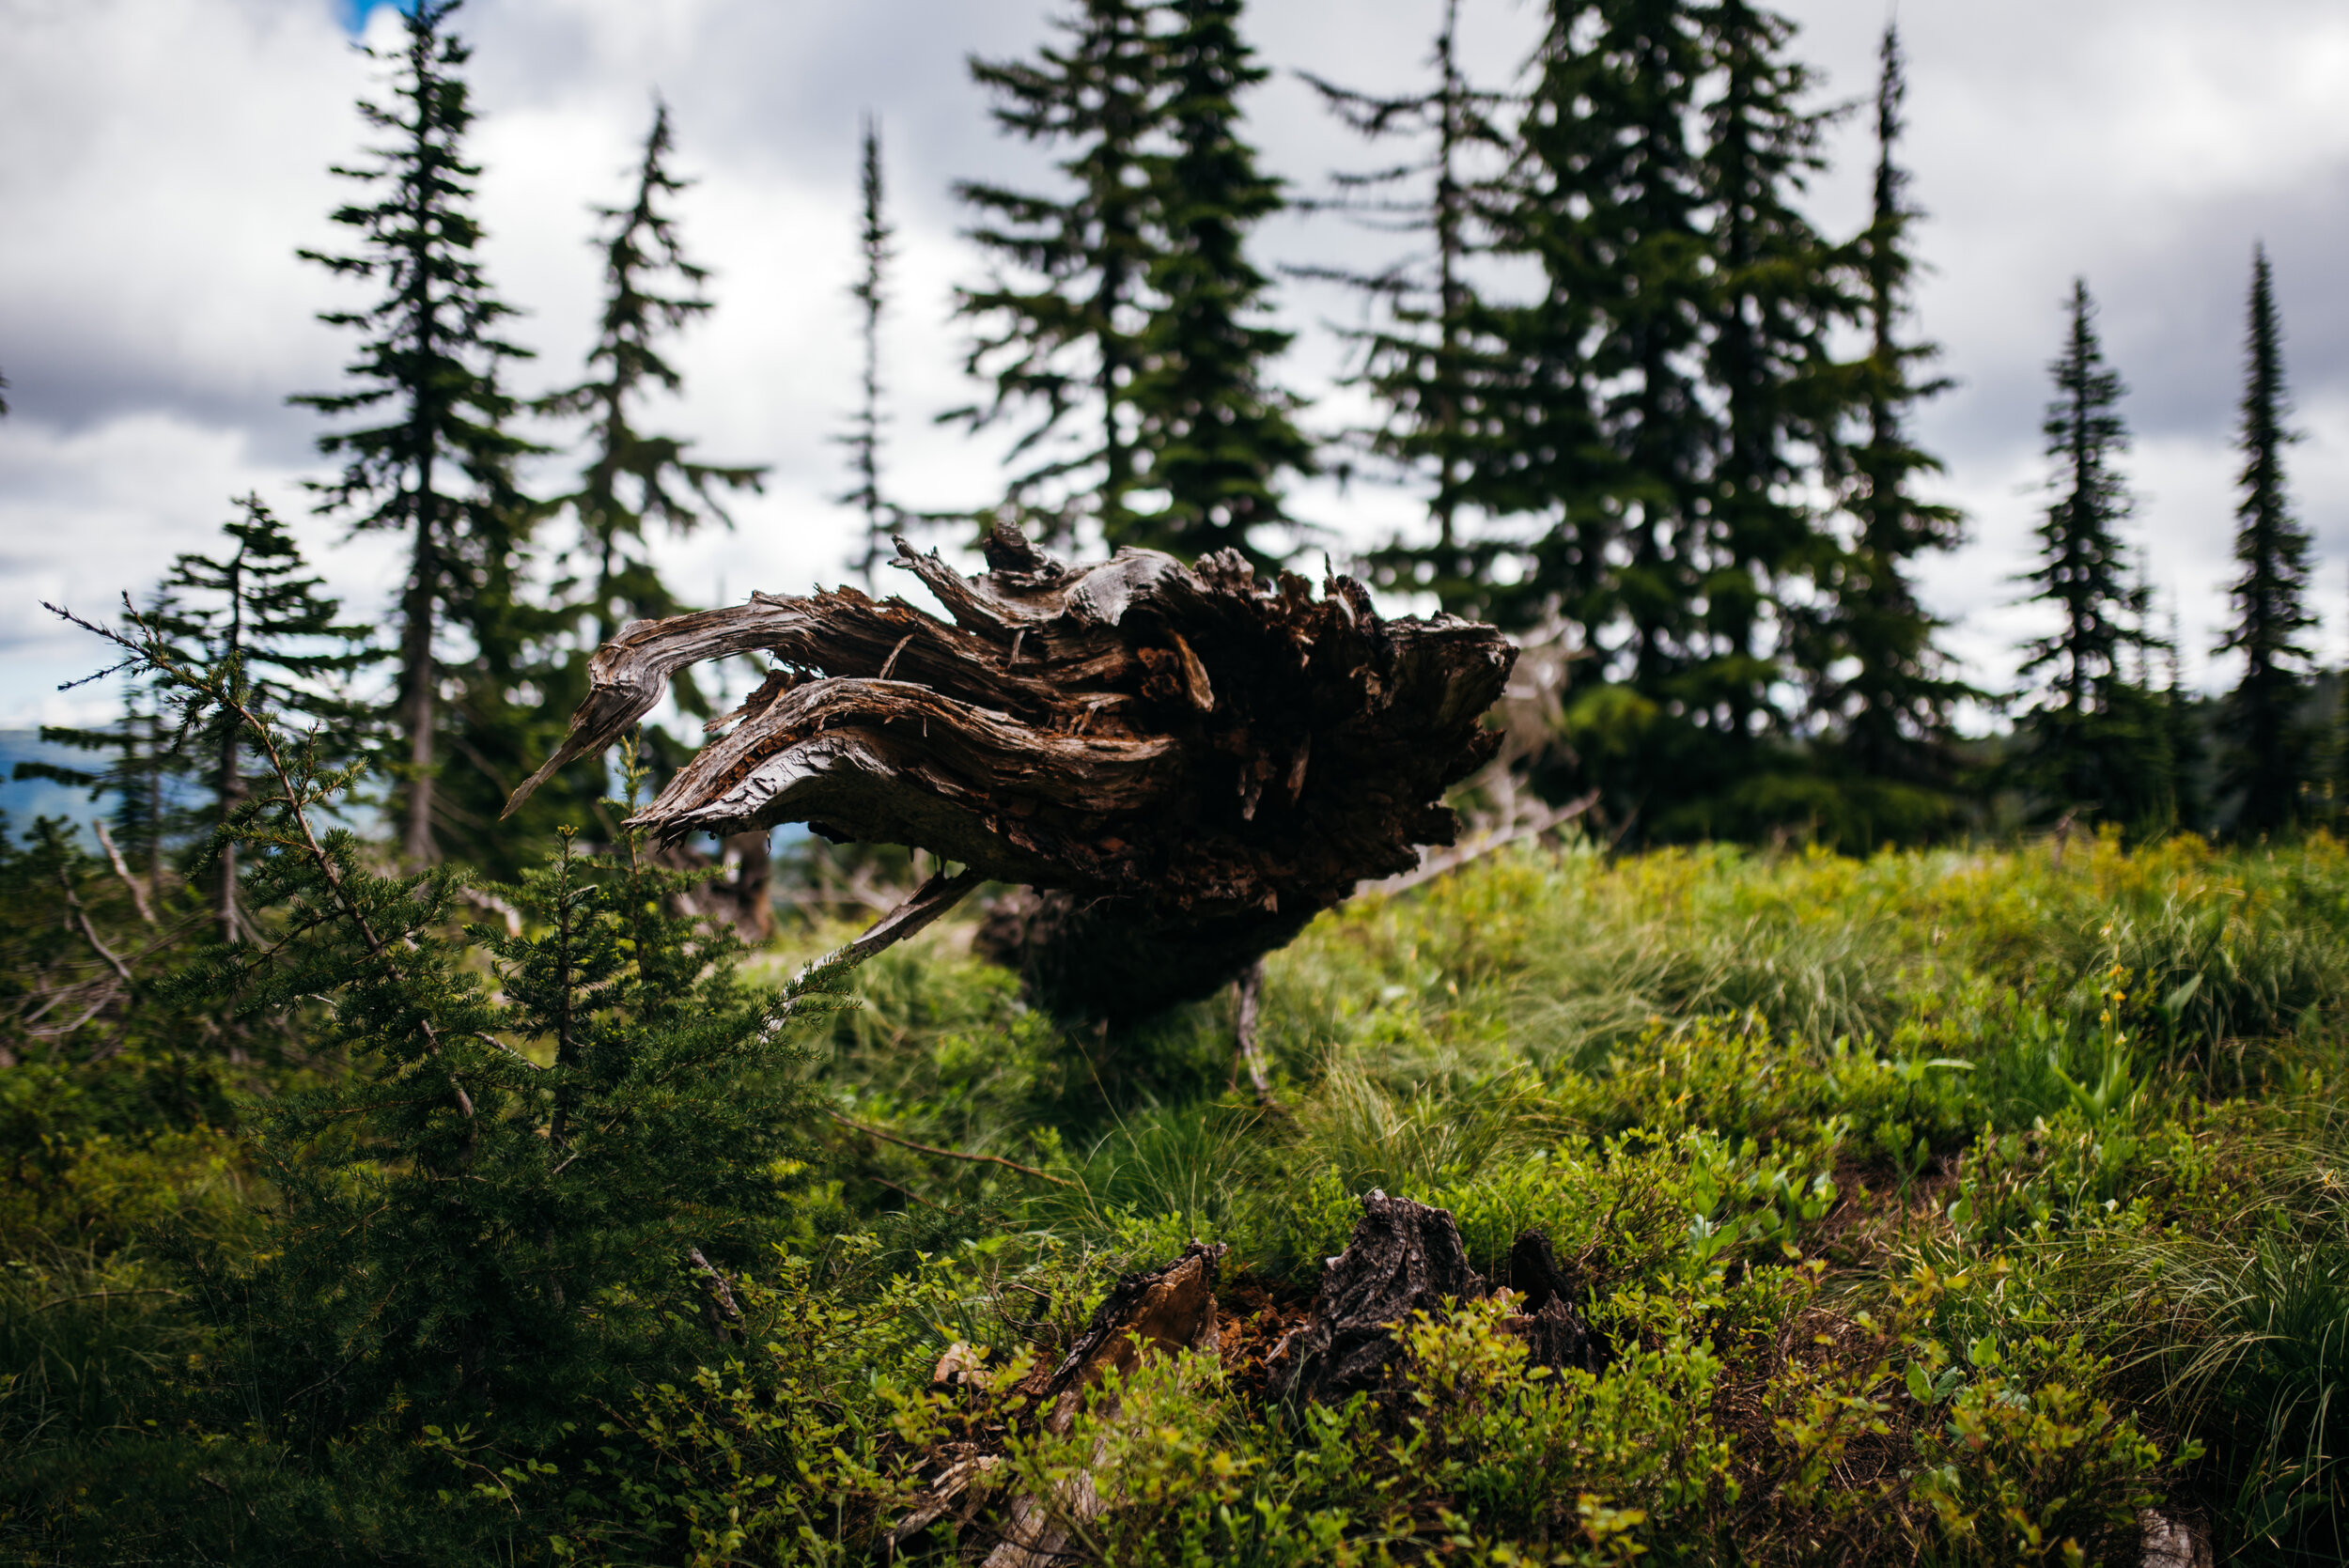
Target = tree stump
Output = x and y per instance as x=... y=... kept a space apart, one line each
x=1555 y=1334
x=1404 y=1257
x=1184 y=766
x=1153 y=1311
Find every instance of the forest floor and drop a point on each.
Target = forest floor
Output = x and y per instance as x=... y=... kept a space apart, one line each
x=1952 y=1206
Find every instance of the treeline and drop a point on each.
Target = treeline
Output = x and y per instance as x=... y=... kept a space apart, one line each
x=1684 y=455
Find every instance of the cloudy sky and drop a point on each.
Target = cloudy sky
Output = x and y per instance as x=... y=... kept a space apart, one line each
x=161 y=160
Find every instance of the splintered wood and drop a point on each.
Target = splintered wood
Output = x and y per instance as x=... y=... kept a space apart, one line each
x=1184 y=765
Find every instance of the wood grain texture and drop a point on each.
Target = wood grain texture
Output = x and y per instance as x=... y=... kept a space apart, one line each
x=1183 y=765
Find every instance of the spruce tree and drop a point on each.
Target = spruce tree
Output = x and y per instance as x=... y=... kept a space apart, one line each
x=439 y=467
x=143 y=769
x=1216 y=433
x=2086 y=741
x=1613 y=433
x=1057 y=325
x=1776 y=294
x=2182 y=726
x=254 y=614
x=1892 y=708
x=546 y=1147
x=864 y=438
x=1429 y=360
x=2267 y=754
x=633 y=479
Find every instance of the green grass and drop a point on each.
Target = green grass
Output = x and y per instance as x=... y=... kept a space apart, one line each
x=1947 y=1206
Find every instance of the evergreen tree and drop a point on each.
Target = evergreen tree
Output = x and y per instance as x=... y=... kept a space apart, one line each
x=549 y=1146
x=1775 y=295
x=1215 y=432
x=1060 y=335
x=1608 y=416
x=633 y=479
x=2088 y=737
x=142 y=769
x=439 y=467
x=2267 y=757
x=2182 y=735
x=1892 y=708
x=254 y=614
x=1430 y=362
x=864 y=440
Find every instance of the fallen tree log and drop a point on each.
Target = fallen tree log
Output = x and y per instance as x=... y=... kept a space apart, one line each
x=1183 y=766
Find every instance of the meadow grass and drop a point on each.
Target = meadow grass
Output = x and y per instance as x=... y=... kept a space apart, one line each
x=1949 y=1206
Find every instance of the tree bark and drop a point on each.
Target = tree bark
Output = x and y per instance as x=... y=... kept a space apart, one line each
x=1182 y=767
x=1403 y=1258
x=417 y=843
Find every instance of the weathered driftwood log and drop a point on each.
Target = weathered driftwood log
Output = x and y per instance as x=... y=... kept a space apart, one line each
x=1404 y=1257
x=1185 y=765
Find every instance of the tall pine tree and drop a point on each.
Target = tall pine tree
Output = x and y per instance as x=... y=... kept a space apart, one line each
x=254 y=614
x=2090 y=739
x=1428 y=359
x=633 y=479
x=863 y=437
x=1216 y=433
x=1776 y=294
x=2267 y=758
x=439 y=465
x=143 y=769
x=1885 y=690
x=1616 y=421
x=1058 y=324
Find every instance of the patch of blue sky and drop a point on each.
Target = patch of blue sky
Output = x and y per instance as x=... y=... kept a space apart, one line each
x=355 y=12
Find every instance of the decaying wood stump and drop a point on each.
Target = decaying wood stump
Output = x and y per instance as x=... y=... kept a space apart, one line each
x=1160 y=1311
x=1404 y=1257
x=1186 y=766
x=1555 y=1334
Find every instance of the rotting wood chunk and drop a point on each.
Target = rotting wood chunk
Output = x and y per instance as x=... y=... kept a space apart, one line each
x=1404 y=1257
x=1554 y=1332
x=1160 y=1311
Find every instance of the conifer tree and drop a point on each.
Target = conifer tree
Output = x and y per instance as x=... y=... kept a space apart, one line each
x=1057 y=326
x=1216 y=433
x=439 y=467
x=2182 y=734
x=2087 y=735
x=633 y=479
x=1638 y=237
x=256 y=614
x=1429 y=360
x=864 y=438
x=468 y=1228
x=1612 y=432
x=1893 y=707
x=143 y=769
x=1775 y=296
x=2267 y=757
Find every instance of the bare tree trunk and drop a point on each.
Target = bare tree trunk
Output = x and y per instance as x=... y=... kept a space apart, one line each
x=416 y=699
x=753 y=888
x=1184 y=766
x=1247 y=1056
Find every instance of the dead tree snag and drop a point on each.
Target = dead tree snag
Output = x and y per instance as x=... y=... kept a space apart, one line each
x=1183 y=765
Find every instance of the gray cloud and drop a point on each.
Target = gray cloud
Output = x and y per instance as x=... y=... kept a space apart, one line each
x=161 y=161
